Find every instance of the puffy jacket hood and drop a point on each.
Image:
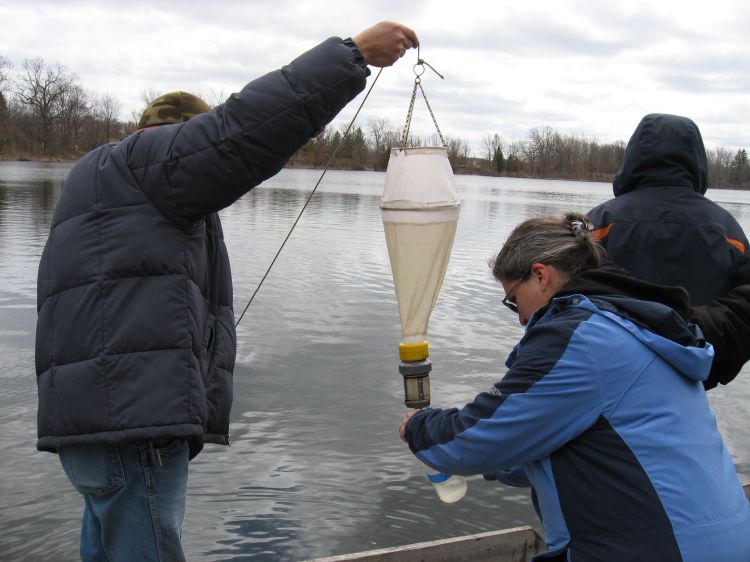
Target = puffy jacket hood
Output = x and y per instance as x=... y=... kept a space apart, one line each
x=665 y=150
x=664 y=312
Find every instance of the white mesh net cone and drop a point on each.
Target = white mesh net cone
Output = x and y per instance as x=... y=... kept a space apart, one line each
x=420 y=214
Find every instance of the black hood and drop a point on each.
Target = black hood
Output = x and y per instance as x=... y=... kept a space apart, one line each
x=662 y=309
x=665 y=150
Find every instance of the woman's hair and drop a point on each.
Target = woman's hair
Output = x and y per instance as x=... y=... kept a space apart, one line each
x=562 y=242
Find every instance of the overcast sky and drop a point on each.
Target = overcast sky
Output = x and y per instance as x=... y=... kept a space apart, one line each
x=590 y=68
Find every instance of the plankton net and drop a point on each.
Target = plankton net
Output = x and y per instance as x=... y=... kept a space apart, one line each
x=420 y=213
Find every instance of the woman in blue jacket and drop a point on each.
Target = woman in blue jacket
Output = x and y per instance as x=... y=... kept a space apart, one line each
x=602 y=407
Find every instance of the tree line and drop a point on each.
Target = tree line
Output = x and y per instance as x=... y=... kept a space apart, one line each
x=45 y=113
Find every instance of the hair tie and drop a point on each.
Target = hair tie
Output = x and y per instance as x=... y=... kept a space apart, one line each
x=579 y=228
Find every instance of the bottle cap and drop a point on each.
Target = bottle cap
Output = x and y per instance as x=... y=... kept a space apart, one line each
x=413 y=351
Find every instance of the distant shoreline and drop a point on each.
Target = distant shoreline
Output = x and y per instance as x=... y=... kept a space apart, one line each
x=458 y=172
x=468 y=171
x=464 y=170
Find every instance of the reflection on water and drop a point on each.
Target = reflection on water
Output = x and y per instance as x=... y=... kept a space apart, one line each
x=316 y=467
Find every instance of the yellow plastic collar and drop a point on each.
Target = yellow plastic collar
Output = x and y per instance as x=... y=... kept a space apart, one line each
x=413 y=351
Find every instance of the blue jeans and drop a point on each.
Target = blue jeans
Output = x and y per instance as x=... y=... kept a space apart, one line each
x=134 y=499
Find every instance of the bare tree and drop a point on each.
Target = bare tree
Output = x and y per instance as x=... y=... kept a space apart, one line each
x=108 y=110
x=214 y=97
x=5 y=69
x=488 y=147
x=492 y=146
x=514 y=163
x=147 y=96
x=42 y=87
x=570 y=158
x=531 y=155
x=75 y=106
x=391 y=138
x=458 y=152
x=544 y=143
x=719 y=164
x=132 y=121
x=379 y=128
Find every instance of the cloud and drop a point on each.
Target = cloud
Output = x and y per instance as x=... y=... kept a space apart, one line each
x=585 y=68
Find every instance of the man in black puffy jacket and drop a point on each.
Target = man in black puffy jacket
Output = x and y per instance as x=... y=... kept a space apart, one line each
x=661 y=228
x=135 y=339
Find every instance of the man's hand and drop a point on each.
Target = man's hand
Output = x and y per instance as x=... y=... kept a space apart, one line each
x=385 y=42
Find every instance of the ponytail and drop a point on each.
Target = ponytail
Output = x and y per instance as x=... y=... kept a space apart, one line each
x=564 y=242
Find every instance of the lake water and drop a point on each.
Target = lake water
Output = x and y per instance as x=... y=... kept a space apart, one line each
x=316 y=467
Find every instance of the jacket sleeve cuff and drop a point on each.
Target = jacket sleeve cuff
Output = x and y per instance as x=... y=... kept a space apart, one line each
x=358 y=56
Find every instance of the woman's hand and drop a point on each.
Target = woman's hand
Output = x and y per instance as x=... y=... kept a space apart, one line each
x=405 y=422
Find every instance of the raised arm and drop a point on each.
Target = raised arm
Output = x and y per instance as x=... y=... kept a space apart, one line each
x=192 y=169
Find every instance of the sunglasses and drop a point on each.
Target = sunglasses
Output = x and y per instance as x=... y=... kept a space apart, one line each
x=510 y=297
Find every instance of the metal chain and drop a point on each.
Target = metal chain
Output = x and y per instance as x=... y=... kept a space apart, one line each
x=410 y=112
x=433 y=116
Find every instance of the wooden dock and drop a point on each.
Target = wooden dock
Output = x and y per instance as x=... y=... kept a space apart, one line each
x=519 y=544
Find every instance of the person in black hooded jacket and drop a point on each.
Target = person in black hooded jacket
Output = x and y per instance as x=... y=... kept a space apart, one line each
x=135 y=343
x=662 y=229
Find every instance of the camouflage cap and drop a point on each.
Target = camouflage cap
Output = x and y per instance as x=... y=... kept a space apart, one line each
x=174 y=107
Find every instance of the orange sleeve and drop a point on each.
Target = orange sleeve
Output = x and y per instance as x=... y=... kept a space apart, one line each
x=601 y=233
x=736 y=243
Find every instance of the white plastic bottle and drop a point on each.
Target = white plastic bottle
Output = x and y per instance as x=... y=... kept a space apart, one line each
x=449 y=487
